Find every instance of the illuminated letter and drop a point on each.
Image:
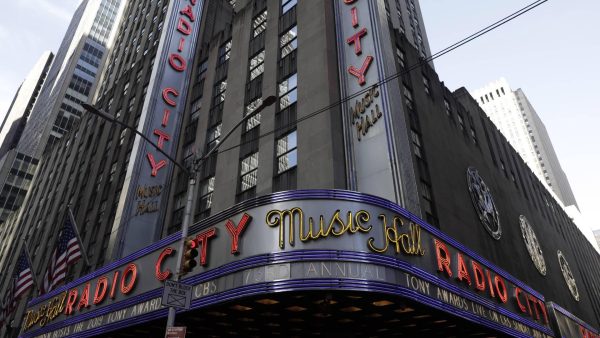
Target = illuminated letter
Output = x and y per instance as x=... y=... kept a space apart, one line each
x=114 y=284
x=479 y=276
x=489 y=278
x=132 y=269
x=184 y=27
x=236 y=231
x=162 y=137
x=84 y=301
x=162 y=275
x=355 y=39
x=517 y=294
x=360 y=73
x=462 y=272
x=543 y=307
x=354 y=14
x=101 y=284
x=501 y=288
x=165 y=119
x=155 y=166
x=348 y=2
x=443 y=262
x=177 y=62
x=165 y=95
x=71 y=301
x=202 y=239
x=187 y=11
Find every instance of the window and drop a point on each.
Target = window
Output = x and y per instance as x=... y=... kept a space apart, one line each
x=426 y=85
x=213 y=136
x=255 y=119
x=287 y=154
x=219 y=93
x=417 y=146
x=447 y=107
x=288 y=94
x=257 y=65
x=249 y=171
x=400 y=56
x=286 y=5
x=206 y=193
x=288 y=41
x=259 y=24
x=408 y=97
x=461 y=122
x=225 y=52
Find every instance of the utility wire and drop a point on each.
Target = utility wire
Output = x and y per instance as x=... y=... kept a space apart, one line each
x=438 y=54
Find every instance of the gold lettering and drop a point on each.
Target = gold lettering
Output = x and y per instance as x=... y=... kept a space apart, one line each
x=407 y=243
x=276 y=218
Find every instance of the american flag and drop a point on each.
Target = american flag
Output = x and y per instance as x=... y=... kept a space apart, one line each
x=8 y=303
x=23 y=276
x=67 y=251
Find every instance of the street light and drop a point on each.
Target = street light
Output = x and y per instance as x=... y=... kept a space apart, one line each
x=191 y=173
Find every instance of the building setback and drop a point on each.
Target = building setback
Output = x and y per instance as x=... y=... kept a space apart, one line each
x=319 y=211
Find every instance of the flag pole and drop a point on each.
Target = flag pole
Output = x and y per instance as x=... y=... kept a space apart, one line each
x=30 y=265
x=84 y=252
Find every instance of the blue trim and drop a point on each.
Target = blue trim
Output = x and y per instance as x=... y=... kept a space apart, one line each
x=290 y=285
x=573 y=317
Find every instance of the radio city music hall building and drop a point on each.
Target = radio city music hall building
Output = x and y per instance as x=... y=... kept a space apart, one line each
x=401 y=211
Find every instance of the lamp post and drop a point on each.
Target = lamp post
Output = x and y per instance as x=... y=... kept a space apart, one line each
x=191 y=173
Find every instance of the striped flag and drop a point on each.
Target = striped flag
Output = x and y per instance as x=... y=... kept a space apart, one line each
x=8 y=302
x=67 y=251
x=23 y=275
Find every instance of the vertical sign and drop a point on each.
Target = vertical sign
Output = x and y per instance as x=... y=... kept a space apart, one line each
x=370 y=131
x=143 y=200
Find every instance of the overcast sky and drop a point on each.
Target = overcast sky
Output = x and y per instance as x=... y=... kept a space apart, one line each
x=550 y=52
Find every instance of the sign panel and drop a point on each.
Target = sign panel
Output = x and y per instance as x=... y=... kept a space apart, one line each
x=141 y=209
x=569 y=325
x=375 y=132
x=176 y=332
x=177 y=295
x=302 y=239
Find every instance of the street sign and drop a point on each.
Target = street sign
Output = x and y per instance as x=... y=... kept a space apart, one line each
x=177 y=295
x=175 y=332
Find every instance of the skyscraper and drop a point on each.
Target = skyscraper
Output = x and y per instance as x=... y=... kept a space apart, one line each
x=516 y=118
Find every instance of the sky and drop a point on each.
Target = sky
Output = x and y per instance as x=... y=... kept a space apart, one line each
x=550 y=52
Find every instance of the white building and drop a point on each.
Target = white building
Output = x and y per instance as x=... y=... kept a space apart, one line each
x=515 y=117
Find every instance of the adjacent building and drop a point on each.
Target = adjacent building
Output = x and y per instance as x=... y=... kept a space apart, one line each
x=597 y=236
x=352 y=206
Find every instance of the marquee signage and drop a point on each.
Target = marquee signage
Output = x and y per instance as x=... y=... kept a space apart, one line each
x=569 y=325
x=148 y=178
x=305 y=239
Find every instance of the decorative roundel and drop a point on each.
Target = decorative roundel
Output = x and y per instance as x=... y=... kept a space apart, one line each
x=532 y=244
x=568 y=275
x=484 y=203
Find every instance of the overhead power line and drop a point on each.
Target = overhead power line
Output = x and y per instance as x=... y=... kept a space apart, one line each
x=423 y=61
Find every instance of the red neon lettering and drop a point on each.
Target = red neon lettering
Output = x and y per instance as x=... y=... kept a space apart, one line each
x=479 y=276
x=354 y=14
x=101 y=284
x=533 y=300
x=132 y=270
x=155 y=166
x=202 y=240
x=162 y=275
x=181 y=45
x=443 y=261
x=489 y=278
x=462 y=272
x=114 y=284
x=71 y=301
x=360 y=73
x=501 y=288
x=518 y=292
x=84 y=301
x=184 y=26
x=162 y=137
x=187 y=11
x=355 y=40
x=543 y=307
x=165 y=119
x=165 y=95
x=348 y=2
x=236 y=231
x=177 y=62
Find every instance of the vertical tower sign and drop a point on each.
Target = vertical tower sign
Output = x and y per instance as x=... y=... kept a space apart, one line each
x=142 y=205
x=371 y=131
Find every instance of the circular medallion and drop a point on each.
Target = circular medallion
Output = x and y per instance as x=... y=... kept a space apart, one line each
x=568 y=275
x=532 y=244
x=484 y=203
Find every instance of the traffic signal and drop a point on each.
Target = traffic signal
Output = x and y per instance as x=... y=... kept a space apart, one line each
x=189 y=256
